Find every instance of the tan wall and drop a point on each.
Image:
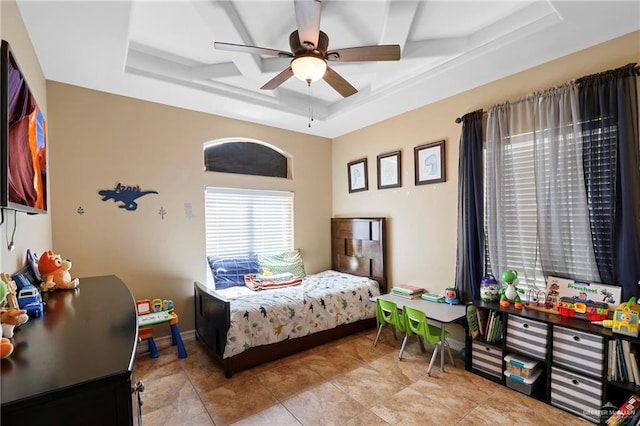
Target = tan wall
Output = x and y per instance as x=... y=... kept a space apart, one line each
x=32 y=232
x=98 y=140
x=422 y=219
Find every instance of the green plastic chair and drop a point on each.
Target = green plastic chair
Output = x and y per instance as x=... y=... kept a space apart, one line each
x=387 y=313
x=416 y=323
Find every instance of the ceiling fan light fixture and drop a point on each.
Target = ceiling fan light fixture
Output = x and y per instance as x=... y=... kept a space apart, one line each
x=309 y=68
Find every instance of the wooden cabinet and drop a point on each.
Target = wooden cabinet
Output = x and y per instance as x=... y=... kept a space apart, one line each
x=573 y=355
x=73 y=365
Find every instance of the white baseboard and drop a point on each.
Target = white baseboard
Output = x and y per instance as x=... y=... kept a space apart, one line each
x=163 y=342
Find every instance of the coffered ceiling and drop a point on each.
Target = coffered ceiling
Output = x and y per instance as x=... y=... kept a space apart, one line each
x=162 y=51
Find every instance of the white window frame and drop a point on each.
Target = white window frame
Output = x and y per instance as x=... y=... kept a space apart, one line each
x=247 y=221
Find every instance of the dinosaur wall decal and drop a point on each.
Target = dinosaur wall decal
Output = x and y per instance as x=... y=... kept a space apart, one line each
x=127 y=195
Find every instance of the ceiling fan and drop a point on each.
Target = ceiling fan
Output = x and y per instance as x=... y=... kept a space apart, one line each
x=309 y=50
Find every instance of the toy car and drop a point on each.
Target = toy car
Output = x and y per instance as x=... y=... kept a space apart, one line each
x=29 y=299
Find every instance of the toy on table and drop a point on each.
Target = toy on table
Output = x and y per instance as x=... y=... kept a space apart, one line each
x=12 y=318
x=158 y=311
x=12 y=291
x=583 y=308
x=451 y=296
x=625 y=319
x=509 y=292
x=55 y=272
x=517 y=303
x=30 y=299
x=433 y=297
x=6 y=347
x=489 y=288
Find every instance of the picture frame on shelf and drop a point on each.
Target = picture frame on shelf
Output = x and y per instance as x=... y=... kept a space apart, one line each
x=429 y=163
x=358 y=175
x=389 y=170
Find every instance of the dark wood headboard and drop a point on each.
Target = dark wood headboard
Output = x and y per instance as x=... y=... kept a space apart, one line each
x=358 y=247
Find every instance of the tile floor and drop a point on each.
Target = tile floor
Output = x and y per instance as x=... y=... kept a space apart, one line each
x=346 y=382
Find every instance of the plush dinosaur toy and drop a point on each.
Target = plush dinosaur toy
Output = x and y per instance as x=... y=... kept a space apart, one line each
x=55 y=272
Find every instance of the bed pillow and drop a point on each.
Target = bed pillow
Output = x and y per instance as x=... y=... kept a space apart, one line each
x=230 y=271
x=286 y=262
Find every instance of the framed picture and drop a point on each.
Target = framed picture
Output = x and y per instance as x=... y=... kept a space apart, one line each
x=429 y=163
x=389 y=170
x=358 y=180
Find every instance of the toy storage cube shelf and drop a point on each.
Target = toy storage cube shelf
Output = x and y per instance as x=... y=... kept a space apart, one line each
x=571 y=356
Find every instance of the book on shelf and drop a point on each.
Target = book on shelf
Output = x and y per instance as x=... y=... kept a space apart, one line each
x=622 y=362
x=611 y=365
x=627 y=411
x=496 y=328
x=492 y=332
x=626 y=351
x=634 y=367
x=482 y=320
x=624 y=375
x=472 y=321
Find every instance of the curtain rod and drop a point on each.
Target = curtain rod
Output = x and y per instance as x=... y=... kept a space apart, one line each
x=459 y=119
x=636 y=69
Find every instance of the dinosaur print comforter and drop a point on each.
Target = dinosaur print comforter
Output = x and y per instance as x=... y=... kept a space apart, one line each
x=323 y=301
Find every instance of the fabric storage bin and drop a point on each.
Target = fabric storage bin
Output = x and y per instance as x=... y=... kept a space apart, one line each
x=577 y=394
x=521 y=384
x=520 y=365
x=579 y=350
x=486 y=358
x=527 y=336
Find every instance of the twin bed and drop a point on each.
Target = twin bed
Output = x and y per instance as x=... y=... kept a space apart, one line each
x=244 y=328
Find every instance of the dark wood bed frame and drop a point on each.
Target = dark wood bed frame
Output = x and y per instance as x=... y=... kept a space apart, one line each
x=358 y=247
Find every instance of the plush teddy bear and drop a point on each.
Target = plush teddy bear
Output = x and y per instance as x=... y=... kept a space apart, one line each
x=55 y=272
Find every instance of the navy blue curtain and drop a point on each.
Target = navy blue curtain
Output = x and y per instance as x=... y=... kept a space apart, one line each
x=609 y=114
x=470 y=246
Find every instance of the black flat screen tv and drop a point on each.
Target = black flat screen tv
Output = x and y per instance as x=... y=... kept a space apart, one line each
x=23 y=141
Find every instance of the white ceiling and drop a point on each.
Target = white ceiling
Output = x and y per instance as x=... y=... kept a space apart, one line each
x=162 y=51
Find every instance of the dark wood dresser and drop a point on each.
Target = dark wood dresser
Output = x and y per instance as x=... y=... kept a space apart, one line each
x=73 y=365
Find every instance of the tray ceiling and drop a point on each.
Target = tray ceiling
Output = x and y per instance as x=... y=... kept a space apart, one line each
x=162 y=51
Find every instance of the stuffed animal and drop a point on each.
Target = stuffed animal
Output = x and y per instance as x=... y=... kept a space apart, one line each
x=451 y=296
x=12 y=318
x=6 y=347
x=55 y=272
x=10 y=299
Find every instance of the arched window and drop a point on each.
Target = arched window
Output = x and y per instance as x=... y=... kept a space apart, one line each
x=245 y=156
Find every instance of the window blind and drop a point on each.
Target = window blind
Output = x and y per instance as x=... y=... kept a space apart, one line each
x=520 y=221
x=520 y=227
x=241 y=221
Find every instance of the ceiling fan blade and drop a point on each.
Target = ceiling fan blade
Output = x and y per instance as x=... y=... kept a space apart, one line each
x=278 y=79
x=308 y=21
x=251 y=49
x=385 y=52
x=340 y=85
